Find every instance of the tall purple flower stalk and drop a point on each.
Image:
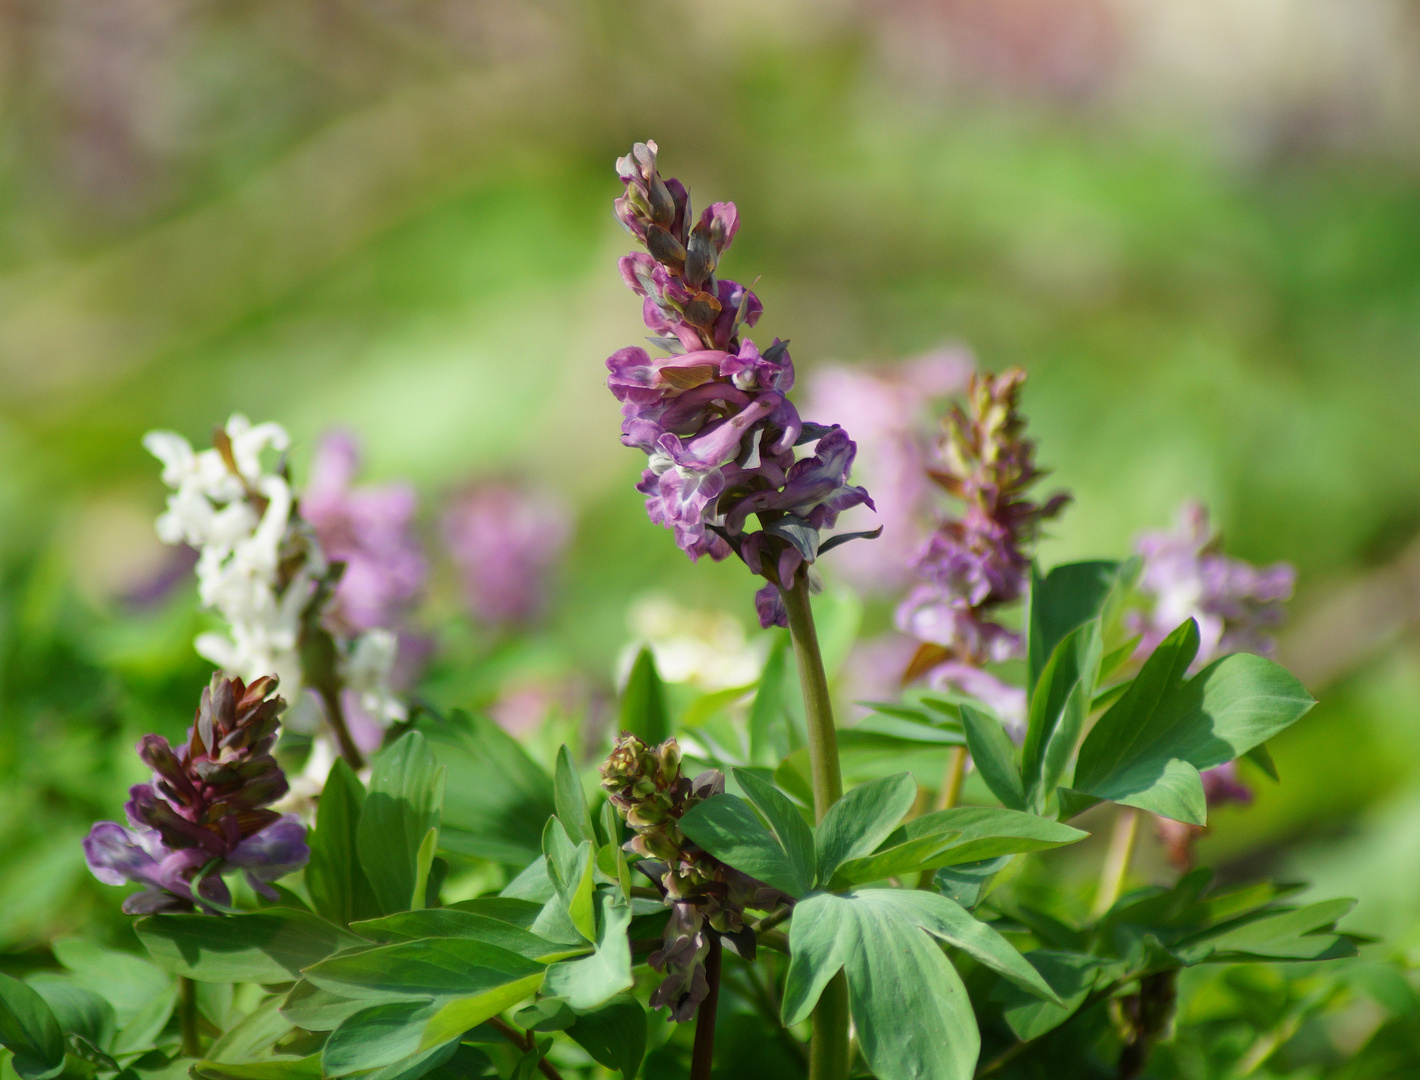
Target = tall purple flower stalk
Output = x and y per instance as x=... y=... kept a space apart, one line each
x=714 y=417
x=205 y=810
x=978 y=561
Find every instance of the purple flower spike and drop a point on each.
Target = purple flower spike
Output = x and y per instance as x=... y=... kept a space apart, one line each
x=205 y=809
x=714 y=417
x=370 y=529
x=506 y=543
x=978 y=562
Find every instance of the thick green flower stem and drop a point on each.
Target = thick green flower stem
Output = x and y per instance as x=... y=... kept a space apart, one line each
x=187 y=1017
x=828 y=1052
x=1116 y=860
x=825 y=774
x=703 y=1054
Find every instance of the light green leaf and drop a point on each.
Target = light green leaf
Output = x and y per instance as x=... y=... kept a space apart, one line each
x=497 y=798
x=964 y=834
x=949 y=921
x=570 y=869
x=912 y=1013
x=462 y=1013
x=29 y=1030
x=402 y=806
x=521 y=913
x=587 y=983
x=262 y=947
x=994 y=757
x=614 y=1035
x=337 y=883
x=1067 y=597
x=1231 y=706
x=140 y=992
x=643 y=703
x=857 y=823
x=785 y=820
x=1058 y=707
x=571 y=800
x=428 y=968
x=967 y=883
x=451 y=923
x=253 y=1035
x=728 y=829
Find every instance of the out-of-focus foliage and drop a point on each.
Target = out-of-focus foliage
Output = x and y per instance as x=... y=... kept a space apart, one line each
x=1194 y=225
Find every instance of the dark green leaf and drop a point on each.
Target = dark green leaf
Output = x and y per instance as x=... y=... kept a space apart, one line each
x=912 y=1013
x=399 y=812
x=547 y=1014
x=1301 y=934
x=262 y=947
x=1067 y=597
x=614 y=1035
x=949 y=921
x=643 y=703
x=337 y=883
x=784 y=818
x=29 y=1030
x=308 y=1006
x=140 y=992
x=994 y=757
x=521 y=913
x=451 y=923
x=1260 y=756
x=431 y=968
x=377 y=1036
x=1147 y=750
x=1058 y=707
x=857 y=823
x=927 y=730
x=967 y=883
x=728 y=828
x=587 y=983
x=497 y=798
x=1070 y=975
x=79 y=1011
x=571 y=800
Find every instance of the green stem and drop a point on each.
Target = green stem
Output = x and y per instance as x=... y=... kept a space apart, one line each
x=828 y=1052
x=1116 y=860
x=187 y=1017
x=951 y=781
x=824 y=770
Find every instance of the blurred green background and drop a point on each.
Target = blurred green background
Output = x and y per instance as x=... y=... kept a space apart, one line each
x=1197 y=225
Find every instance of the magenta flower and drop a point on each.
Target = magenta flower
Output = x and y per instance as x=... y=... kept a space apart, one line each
x=506 y=543
x=714 y=417
x=370 y=529
x=1186 y=575
x=205 y=806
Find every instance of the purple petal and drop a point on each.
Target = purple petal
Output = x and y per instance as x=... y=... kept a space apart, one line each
x=275 y=851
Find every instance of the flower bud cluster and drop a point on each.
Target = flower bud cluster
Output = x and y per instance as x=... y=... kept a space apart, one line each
x=648 y=789
x=714 y=417
x=263 y=567
x=977 y=562
x=206 y=809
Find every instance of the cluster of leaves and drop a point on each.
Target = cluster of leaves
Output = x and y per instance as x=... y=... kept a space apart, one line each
x=361 y=970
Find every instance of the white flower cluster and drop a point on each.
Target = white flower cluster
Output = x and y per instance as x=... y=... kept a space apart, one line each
x=259 y=564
